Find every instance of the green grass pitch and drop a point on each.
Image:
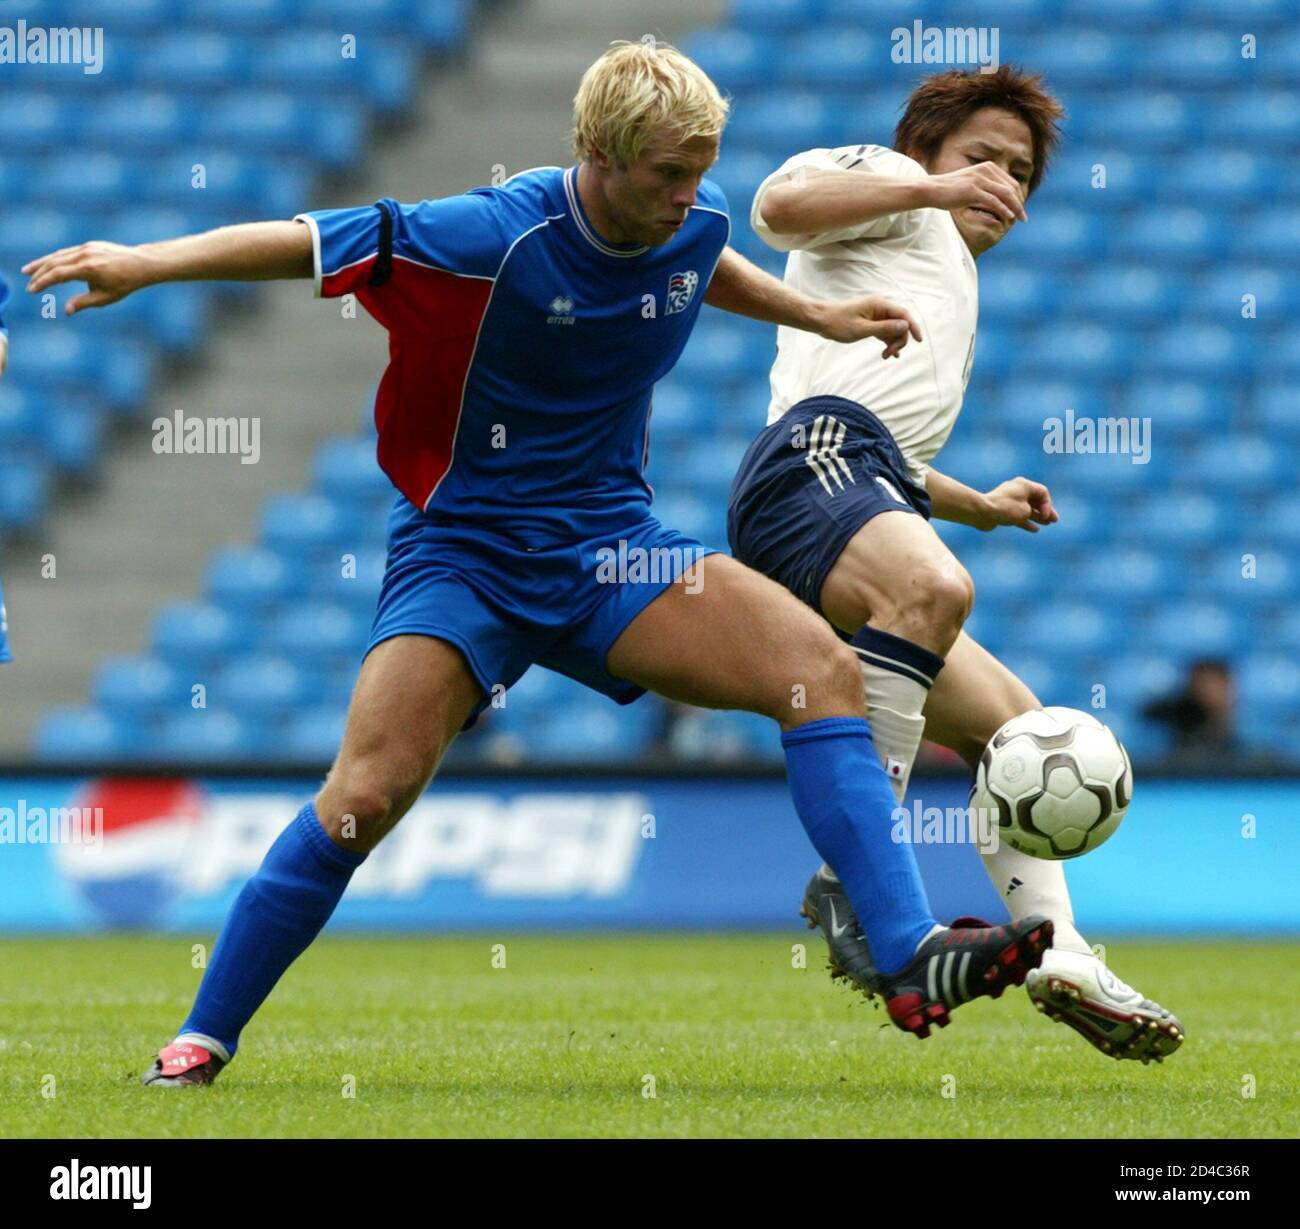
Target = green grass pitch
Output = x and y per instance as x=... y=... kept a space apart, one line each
x=626 y=1035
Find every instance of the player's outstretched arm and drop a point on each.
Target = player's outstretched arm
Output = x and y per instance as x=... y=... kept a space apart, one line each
x=253 y=251
x=815 y=202
x=741 y=287
x=1018 y=501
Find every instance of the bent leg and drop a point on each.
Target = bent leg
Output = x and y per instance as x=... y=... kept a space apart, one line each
x=743 y=641
x=973 y=699
x=903 y=596
x=412 y=696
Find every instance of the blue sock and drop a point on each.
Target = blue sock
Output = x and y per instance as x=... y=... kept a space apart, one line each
x=279 y=912
x=846 y=805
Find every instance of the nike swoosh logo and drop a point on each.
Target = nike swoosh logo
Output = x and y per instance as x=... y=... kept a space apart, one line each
x=836 y=929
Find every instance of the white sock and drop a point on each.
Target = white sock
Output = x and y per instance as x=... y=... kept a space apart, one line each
x=1035 y=885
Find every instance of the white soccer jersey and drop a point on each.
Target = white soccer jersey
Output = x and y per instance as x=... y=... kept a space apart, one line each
x=919 y=260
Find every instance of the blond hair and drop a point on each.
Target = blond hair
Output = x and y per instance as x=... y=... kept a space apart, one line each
x=637 y=89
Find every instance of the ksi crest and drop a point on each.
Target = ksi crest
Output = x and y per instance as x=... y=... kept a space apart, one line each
x=681 y=290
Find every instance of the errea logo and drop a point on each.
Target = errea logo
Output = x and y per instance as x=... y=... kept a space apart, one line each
x=561 y=311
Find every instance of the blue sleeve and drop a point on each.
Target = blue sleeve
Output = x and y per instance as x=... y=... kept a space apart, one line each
x=4 y=302
x=460 y=234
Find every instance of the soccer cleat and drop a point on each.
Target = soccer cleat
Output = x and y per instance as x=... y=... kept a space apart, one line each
x=965 y=961
x=825 y=905
x=181 y=1064
x=1079 y=990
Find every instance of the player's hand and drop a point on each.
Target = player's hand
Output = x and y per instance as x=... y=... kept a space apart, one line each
x=853 y=319
x=4 y=353
x=110 y=270
x=982 y=186
x=1021 y=502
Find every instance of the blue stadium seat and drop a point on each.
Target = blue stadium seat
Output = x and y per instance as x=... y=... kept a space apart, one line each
x=1180 y=405
x=1171 y=519
x=140 y=685
x=80 y=737
x=24 y=492
x=140 y=121
x=251 y=16
x=1148 y=119
x=313 y=735
x=252 y=578
x=1128 y=294
x=832 y=58
x=212 y=736
x=1077 y=56
x=1269 y=234
x=1219 y=293
x=200 y=634
x=1203 y=351
x=1181 y=235
x=307 y=631
x=1072 y=175
x=785 y=15
x=1056 y=235
x=1016 y=292
x=190 y=60
x=261 y=686
x=303 y=522
x=1266 y=678
x=1239 y=463
x=1068 y=625
x=1196 y=59
x=1263 y=119
x=1276 y=406
x=735 y=59
x=1195 y=627
x=347 y=469
x=1079 y=349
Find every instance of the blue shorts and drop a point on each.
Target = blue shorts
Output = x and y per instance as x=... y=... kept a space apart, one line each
x=808 y=483
x=506 y=605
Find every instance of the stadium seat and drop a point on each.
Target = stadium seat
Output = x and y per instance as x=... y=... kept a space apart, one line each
x=138 y=686
x=80 y=737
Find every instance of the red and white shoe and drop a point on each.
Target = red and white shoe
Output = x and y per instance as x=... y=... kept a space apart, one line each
x=1079 y=990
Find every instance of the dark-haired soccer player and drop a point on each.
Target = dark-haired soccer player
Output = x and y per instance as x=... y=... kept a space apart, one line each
x=528 y=324
x=835 y=497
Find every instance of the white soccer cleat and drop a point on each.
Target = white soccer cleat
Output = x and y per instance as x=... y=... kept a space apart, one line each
x=1079 y=990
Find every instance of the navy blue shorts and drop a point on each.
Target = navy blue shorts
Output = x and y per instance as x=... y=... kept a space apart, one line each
x=506 y=605
x=807 y=484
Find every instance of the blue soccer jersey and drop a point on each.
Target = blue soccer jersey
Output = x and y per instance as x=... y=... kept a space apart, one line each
x=523 y=348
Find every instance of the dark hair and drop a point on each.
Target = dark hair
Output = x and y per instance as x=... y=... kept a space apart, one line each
x=944 y=102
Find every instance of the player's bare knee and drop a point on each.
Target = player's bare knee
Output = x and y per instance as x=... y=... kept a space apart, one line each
x=938 y=601
x=358 y=813
x=826 y=683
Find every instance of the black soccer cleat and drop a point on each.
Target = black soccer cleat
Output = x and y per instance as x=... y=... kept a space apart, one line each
x=963 y=962
x=825 y=905
x=181 y=1064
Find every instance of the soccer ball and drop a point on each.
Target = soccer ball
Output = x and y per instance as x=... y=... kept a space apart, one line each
x=1058 y=780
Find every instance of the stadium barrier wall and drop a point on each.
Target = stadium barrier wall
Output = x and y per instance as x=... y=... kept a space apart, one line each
x=616 y=852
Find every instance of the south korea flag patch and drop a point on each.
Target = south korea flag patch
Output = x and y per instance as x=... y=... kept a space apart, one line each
x=681 y=290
